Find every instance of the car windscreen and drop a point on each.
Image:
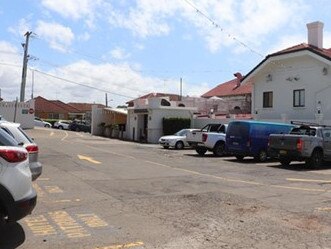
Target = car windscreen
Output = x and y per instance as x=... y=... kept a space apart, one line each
x=181 y=133
x=6 y=139
x=303 y=131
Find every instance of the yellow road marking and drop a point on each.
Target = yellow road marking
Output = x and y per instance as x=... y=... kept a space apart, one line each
x=38 y=189
x=65 y=136
x=68 y=225
x=298 y=188
x=92 y=220
x=51 y=134
x=89 y=159
x=43 y=179
x=138 y=243
x=53 y=189
x=217 y=177
x=66 y=201
x=308 y=180
x=40 y=226
x=327 y=209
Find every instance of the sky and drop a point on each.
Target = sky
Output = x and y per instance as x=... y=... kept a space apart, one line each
x=83 y=50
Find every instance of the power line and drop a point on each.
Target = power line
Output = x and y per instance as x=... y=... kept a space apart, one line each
x=216 y=25
x=84 y=85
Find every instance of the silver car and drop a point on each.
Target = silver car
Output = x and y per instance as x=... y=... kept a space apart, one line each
x=24 y=140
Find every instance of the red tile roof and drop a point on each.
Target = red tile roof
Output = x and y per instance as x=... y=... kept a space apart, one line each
x=304 y=46
x=230 y=88
x=323 y=52
x=84 y=107
x=65 y=106
x=44 y=105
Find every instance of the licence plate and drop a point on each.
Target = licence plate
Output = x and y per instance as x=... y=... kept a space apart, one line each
x=282 y=152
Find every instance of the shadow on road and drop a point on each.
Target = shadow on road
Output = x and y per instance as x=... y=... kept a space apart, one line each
x=12 y=236
x=299 y=166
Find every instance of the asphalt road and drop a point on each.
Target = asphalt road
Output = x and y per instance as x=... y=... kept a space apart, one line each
x=105 y=193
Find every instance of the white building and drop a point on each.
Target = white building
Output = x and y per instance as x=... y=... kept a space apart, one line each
x=295 y=83
x=144 y=120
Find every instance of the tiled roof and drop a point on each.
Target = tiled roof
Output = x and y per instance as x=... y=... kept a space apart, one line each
x=323 y=52
x=304 y=46
x=84 y=107
x=230 y=88
x=65 y=106
x=44 y=105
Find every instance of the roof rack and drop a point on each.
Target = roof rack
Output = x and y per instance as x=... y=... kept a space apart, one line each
x=308 y=124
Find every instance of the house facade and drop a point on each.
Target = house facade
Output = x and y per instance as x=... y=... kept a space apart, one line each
x=295 y=83
x=145 y=116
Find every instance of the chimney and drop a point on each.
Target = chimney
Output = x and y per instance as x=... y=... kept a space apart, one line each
x=239 y=77
x=315 y=34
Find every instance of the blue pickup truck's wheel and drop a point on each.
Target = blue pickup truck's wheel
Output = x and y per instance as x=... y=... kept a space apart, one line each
x=219 y=149
x=315 y=159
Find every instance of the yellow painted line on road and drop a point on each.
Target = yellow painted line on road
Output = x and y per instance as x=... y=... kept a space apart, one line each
x=53 y=189
x=113 y=153
x=298 y=188
x=39 y=225
x=68 y=224
x=66 y=201
x=92 y=220
x=43 y=179
x=66 y=135
x=128 y=245
x=52 y=133
x=89 y=159
x=325 y=209
x=38 y=189
x=207 y=175
x=308 y=180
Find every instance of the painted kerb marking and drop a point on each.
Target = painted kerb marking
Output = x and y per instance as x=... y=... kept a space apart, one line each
x=68 y=225
x=40 y=226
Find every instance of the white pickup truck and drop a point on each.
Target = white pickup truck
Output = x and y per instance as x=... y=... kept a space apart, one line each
x=209 y=138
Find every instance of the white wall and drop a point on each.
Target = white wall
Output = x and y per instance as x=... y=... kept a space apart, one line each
x=20 y=112
x=308 y=70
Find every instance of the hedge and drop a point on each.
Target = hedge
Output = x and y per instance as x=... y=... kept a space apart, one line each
x=172 y=125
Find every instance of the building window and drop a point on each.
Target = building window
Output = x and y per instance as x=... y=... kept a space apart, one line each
x=299 y=98
x=267 y=99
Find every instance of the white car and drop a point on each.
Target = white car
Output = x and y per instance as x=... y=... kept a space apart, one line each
x=17 y=196
x=177 y=141
x=14 y=130
x=41 y=123
x=62 y=124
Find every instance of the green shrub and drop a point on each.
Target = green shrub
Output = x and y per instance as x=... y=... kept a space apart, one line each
x=172 y=125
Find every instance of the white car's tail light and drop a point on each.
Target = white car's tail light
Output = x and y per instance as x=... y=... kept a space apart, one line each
x=13 y=156
x=32 y=148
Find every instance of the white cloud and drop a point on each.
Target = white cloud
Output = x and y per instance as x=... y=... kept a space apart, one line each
x=249 y=21
x=119 y=53
x=73 y=9
x=21 y=28
x=10 y=71
x=58 y=36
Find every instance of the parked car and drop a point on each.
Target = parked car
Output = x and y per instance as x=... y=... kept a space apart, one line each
x=41 y=123
x=79 y=126
x=250 y=138
x=309 y=143
x=177 y=141
x=195 y=137
x=213 y=141
x=62 y=124
x=17 y=196
x=14 y=130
